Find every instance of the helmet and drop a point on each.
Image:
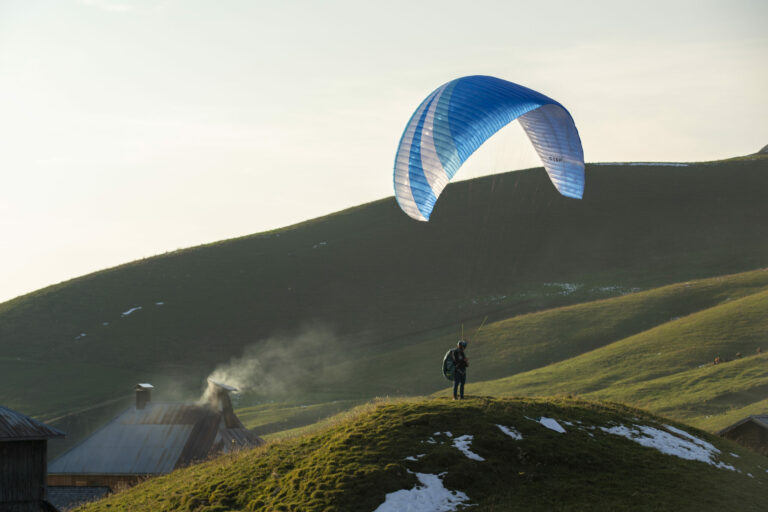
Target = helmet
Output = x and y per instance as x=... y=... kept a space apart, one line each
x=462 y=344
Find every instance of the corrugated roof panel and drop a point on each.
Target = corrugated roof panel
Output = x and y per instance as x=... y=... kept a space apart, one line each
x=153 y=440
x=139 y=441
x=126 y=449
x=165 y=414
x=237 y=438
x=18 y=427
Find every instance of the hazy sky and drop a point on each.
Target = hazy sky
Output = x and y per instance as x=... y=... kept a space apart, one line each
x=131 y=128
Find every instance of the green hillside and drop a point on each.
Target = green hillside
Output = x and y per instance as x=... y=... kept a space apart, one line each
x=387 y=447
x=384 y=293
x=666 y=367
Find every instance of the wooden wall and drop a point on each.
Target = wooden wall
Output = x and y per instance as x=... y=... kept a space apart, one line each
x=114 y=482
x=22 y=474
x=750 y=435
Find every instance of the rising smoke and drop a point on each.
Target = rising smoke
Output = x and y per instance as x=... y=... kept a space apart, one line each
x=281 y=366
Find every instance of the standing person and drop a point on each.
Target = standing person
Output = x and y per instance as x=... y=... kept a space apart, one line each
x=460 y=363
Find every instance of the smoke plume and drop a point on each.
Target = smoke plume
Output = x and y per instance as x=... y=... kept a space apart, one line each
x=284 y=365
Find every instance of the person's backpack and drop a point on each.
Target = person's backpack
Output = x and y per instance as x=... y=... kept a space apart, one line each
x=448 y=365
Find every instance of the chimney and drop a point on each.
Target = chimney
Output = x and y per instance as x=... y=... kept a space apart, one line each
x=143 y=392
x=218 y=396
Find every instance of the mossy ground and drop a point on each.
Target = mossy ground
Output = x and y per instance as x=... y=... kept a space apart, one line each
x=353 y=463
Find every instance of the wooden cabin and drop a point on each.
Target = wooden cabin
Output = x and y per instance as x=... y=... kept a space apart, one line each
x=23 y=459
x=751 y=432
x=152 y=439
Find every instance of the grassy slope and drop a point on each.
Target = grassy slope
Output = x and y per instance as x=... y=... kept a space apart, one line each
x=534 y=340
x=392 y=290
x=513 y=345
x=357 y=460
x=667 y=367
x=492 y=247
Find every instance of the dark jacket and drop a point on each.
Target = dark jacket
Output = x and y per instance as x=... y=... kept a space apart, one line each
x=459 y=360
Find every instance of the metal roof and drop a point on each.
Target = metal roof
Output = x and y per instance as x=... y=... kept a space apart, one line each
x=14 y=426
x=154 y=440
x=760 y=420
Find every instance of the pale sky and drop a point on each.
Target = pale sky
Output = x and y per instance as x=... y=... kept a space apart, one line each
x=131 y=128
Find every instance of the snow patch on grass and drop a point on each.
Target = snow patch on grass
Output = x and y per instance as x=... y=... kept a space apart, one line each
x=511 y=432
x=552 y=424
x=430 y=496
x=565 y=288
x=130 y=311
x=462 y=443
x=682 y=445
x=621 y=290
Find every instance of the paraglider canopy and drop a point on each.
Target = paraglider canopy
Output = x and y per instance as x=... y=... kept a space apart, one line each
x=455 y=120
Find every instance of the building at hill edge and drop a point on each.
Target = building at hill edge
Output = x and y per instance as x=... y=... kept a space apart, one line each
x=23 y=455
x=751 y=432
x=149 y=439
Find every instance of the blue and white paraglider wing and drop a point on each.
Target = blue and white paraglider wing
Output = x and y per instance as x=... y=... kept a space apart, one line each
x=459 y=116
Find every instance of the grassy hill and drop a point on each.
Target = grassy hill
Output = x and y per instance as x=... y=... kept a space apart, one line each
x=665 y=364
x=598 y=347
x=391 y=446
x=383 y=293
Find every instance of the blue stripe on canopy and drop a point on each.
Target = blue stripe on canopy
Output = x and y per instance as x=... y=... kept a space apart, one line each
x=467 y=112
x=422 y=192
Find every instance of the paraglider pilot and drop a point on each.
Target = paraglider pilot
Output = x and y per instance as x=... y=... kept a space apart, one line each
x=460 y=363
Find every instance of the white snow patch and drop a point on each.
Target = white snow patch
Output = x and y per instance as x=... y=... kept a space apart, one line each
x=615 y=289
x=552 y=424
x=81 y=335
x=462 y=444
x=443 y=434
x=734 y=455
x=750 y=475
x=160 y=303
x=414 y=458
x=565 y=288
x=132 y=310
x=511 y=432
x=430 y=496
x=691 y=448
x=431 y=441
